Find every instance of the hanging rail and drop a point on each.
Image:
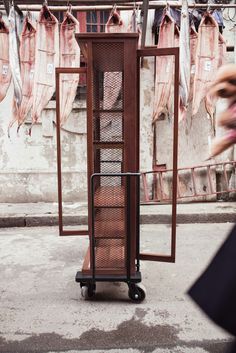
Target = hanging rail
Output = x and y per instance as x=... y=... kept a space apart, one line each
x=30 y=5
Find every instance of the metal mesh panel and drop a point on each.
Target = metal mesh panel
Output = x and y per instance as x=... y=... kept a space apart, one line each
x=113 y=60
x=108 y=76
x=108 y=135
x=110 y=223
x=108 y=127
x=108 y=160
x=110 y=254
x=110 y=192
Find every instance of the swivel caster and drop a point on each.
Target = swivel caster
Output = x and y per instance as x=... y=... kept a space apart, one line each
x=137 y=292
x=88 y=291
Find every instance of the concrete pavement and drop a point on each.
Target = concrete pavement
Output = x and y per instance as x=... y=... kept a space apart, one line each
x=42 y=310
x=46 y=214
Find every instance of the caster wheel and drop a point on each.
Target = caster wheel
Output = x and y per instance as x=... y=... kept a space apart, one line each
x=137 y=292
x=88 y=291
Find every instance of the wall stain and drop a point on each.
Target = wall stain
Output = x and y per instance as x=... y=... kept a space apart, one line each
x=147 y=97
x=145 y=64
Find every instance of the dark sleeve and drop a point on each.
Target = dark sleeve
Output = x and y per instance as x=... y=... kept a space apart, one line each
x=215 y=290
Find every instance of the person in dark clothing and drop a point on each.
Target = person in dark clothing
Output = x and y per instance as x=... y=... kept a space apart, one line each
x=215 y=290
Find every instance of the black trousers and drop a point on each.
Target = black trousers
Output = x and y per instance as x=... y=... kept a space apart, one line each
x=215 y=290
x=232 y=348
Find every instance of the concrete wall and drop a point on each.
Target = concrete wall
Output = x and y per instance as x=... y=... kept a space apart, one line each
x=195 y=137
x=28 y=163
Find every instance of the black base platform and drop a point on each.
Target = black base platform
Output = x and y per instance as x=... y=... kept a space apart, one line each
x=136 y=291
x=81 y=277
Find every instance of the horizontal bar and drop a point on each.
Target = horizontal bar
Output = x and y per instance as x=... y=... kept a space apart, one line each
x=156 y=201
x=113 y=161
x=108 y=206
x=84 y=36
x=153 y=257
x=58 y=5
x=188 y=168
x=80 y=276
x=157 y=51
x=108 y=145
x=98 y=237
x=115 y=174
x=71 y=70
x=108 y=111
x=73 y=232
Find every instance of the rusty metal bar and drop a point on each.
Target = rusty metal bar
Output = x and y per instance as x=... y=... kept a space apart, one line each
x=178 y=189
x=209 y=178
x=155 y=202
x=194 y=181
x=163 y=52
x=69 y=70
x=151 y=51
x=59 y=181
x=144 y=11
x=155 y=181
x=195 y=194
x=94 y=5
x=226 y=178
x=161 y=184
x=195 y=167
x=153 y=257
x=175 y=154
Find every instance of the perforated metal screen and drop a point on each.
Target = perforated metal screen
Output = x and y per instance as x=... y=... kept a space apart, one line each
x=110 y=223
x=108 y=151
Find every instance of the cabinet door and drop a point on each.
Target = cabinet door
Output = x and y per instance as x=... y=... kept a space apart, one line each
x=64 y=74
x=168 y=256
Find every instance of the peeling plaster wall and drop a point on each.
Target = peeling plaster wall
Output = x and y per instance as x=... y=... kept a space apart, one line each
x=195 y=137
x=28 y=164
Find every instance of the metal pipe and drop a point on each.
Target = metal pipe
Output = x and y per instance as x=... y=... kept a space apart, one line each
x=29 y=7
x=122 y=6
x=144 y=10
